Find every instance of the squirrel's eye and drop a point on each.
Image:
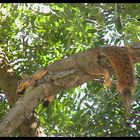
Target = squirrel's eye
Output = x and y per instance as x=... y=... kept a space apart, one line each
x=19 y=82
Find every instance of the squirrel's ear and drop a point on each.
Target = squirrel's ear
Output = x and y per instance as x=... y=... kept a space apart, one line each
x=24 y=76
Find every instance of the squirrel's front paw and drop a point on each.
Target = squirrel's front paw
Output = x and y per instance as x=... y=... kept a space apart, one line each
x=108 y=83
x=34 y=83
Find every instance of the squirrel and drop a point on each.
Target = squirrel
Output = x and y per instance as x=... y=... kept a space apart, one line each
x=122 y=63
x=119 y=58
x=28 y=81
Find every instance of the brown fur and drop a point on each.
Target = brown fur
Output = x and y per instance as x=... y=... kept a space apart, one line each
x=121 y=61
x=87 y=61
x=123 y=66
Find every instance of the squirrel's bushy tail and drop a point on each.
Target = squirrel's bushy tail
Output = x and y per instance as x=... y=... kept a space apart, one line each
x=127 y=98
x=123 y=65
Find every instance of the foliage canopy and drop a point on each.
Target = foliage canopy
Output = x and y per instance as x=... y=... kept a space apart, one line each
x=36 y=35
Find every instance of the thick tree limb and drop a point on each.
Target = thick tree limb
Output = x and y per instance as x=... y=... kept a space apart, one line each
x=51 y=85
x=62 y=75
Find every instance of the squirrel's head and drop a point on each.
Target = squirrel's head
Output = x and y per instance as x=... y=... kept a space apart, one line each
x=23 y=84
